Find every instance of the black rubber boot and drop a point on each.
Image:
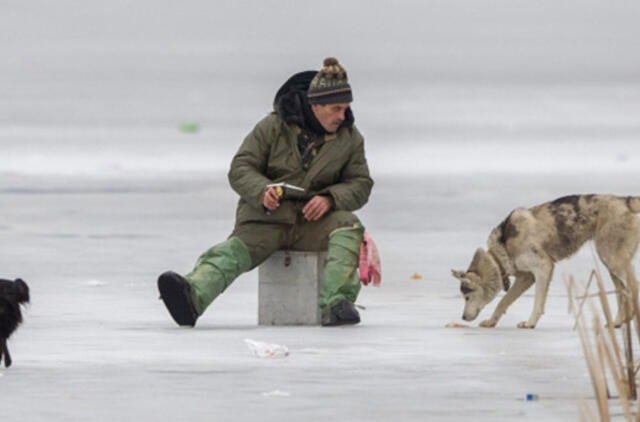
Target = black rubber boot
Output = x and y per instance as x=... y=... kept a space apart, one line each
x=342 y=313
x=175 y=291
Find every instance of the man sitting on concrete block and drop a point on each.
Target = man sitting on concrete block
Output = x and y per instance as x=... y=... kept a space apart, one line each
x=310 y=149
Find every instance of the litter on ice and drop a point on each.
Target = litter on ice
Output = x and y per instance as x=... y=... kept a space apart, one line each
x=266 y=350
x=456 y=325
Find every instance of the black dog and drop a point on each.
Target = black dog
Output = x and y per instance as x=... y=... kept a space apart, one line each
x=12 y=295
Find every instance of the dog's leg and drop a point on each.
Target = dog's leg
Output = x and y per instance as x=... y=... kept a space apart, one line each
x=542 y=277
x=621 y=273
x=522 y=283
x=621 y=298
x=5 y=351
x=616 y=240
x=631 y=278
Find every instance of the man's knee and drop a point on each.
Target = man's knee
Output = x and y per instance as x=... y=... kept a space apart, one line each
x=342 y=219
x=261 y=239
x=314 y=236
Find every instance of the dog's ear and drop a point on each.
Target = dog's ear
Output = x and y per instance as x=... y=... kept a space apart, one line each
x=483 y=265
x=479 y=258
x=458 y=274
x=467 y=287
x=21 y=290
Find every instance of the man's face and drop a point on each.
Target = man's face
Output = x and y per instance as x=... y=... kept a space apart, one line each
x=330 y=116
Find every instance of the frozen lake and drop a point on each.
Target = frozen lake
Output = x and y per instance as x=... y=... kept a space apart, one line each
x=98 y=344
x=469 y=109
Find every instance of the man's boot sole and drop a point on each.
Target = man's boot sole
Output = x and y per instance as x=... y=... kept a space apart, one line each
x=175 y=292
x=341 y=322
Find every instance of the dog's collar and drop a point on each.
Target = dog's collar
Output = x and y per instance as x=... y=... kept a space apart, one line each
x=503 y=274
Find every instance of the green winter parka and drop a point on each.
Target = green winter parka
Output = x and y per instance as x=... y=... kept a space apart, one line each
x=270 y=154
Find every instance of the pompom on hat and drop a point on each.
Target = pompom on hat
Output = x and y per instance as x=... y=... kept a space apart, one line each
x=330 y=85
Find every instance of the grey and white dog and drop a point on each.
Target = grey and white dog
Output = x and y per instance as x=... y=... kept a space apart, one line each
x=529 y=242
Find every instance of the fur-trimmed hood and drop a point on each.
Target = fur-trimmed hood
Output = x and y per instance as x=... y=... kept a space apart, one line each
x=291 y=104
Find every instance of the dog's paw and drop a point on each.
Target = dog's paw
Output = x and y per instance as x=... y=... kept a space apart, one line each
x=488 y=323
x=525 y=324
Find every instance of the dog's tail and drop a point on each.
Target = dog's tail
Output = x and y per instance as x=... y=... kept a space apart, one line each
x=633 y=202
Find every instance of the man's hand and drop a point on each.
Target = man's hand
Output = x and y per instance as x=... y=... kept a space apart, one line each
x=317 y=207
x=271 y=200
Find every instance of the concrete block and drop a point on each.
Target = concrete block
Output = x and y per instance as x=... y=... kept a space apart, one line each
x=288 y=294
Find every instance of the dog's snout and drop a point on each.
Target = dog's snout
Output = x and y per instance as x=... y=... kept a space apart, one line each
x=464 y=317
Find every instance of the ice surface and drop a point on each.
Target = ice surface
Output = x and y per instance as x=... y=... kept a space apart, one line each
x=469 y=110
x=112 y=353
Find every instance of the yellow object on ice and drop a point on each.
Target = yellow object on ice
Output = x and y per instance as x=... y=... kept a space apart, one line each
x=456 y=325
x=415 y=276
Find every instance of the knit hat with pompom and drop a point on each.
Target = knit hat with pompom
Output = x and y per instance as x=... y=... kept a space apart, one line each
x=330 y=85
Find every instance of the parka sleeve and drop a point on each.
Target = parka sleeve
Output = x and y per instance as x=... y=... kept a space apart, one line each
x=248 y=166
x=355 y=183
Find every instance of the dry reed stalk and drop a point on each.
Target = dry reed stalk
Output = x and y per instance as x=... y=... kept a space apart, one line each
x=619 y=369
x=628 y=348
x=606 y=355
x=627 y=300
x=631 y=304
x=592 y=414
x=569 y=283
x=598 y=380
x=585 y=411
x=610 y=328
x=583 y=297
x=633 y=287
x=608 y=292
x=603 y=353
